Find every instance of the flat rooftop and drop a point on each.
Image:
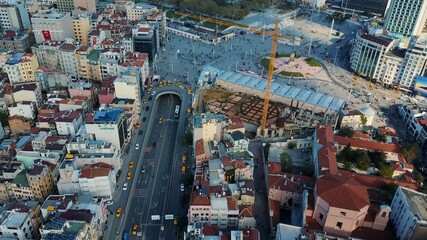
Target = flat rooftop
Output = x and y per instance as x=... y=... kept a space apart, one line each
x=14 y=219
x=111 y=115
x=417 y=203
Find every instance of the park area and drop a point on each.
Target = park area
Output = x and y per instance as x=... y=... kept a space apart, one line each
x=290 y=65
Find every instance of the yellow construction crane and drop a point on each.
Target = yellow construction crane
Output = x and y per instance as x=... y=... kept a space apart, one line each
x=269 y=78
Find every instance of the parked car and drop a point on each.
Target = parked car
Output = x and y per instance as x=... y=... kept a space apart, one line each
x=125 y=186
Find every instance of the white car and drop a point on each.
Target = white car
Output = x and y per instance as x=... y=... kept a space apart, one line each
x=182 y=187
x=153 y=93
x=125 y=186
x=137 y=146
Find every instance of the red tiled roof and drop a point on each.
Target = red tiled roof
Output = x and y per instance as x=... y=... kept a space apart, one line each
x=398 y=168
x=77 y=215
x=388 y=131
x=370 y=145
x=274 y=168
x=199 y=200
x=98 y=165
x=94 y=172
x=36 y=170
x=232 y=205
x=360 y=135
x=52 y=166
x=246 y=211
x=275 y=207
x=238 y=164
x=18 y=207
x=210 y=231
x=326 y=154
x=342 y=192
x=226 y=161
x=250 y=233
x=214 y=189
x=378 y=182
x=283 y=183
x=200 y=150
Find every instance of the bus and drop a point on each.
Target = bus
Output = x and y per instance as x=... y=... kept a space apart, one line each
x=176 y=114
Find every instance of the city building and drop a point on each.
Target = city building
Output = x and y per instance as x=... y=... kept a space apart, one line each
x=40 y=180
x=17 y=41
x=97 y=180
x=68 y=122
x=16 y=188
x=415 y=120
x=52 y=26
x=317 y=3
x=21 y=67
x=67 y=58
x=414 y=63
x=65 y=6
x=24 y=109
x=29 y=92
x=15 y=224
x=94 y=67
x=82 y=27
x=377 y=7
x=368 y=53
x=408 y=214
x=136 y=11
x=89 y=5
x=32 y=208
x=14 y=16
x=239 y=142
x=19 y=125
x=146 y=39
x=52 y=79
x=108 y=125
x=200 y=207
x=406 y=17
x=47 y=53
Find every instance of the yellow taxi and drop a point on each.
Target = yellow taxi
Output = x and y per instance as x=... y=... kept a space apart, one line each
x=129 y=176
x=169 y=82
x=134 y=229
x=161 y=120
x=131 y=164
x=118 y=212
x=144 y=101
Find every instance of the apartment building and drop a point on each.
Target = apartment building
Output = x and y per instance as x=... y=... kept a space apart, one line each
x=27 y=92
x=415 y=120
x=82 y=27
x=67 y=58
x=17 y=41
x=89 y=5
x=82 y=63
x=408 y=214
x=109 y=60
x=52 y=26
x=14 y=16
x=413 y=65
x=41 y=181
x=23 y=109
x=21 y=67
x=47 y=53
x=200 y=207
x=406 y=17
x=52 y=79
x=98 y=180
x=68 y=122
x=146 y=39
x=15 y=224
x=65 y=6
x=19 y=125
x=16 y=188
x=377 y=7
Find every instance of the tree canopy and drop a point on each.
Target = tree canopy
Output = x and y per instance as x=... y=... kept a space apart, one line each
x=411 y=152
x=286 y=162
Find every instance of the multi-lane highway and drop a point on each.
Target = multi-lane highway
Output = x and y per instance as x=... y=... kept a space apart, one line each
x=154 y=188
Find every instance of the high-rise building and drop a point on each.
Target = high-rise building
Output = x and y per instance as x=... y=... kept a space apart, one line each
x=414 y=64
x=14 y=16
x=408 y=214
x=146 y=40
x=21 y=67
x=65 y=6
x=378 y=7
x=81 y=28
x=406 y=17
x=52 y=26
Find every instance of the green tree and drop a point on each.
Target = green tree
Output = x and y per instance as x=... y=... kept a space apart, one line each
x=418 y=177
x=187 y=179
x=363 y=120
x=292 y=144
x=363 y=162
x=411 y=152
x=377 y=158
x=308 y=170
x=187 y=139
x=286 y=162
x=386 y=171
x=4 y=119
x=346 y=131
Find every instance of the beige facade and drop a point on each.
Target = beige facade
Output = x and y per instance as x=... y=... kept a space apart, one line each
x=89 y=5
x=83 y=66
x=41 y=181
x=28 y=67
x=81 y=28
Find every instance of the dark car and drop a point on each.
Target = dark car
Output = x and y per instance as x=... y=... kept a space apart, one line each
x=144 y=118
x=118 y=173
x=150 y=98
x=140 y=132
x=154 y=144
x=147 y=108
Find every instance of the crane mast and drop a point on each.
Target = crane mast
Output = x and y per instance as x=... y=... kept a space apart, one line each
x=269 y=79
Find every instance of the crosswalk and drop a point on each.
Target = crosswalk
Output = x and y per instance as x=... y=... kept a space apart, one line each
x=141 y=192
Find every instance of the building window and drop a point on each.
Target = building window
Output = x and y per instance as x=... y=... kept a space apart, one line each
x=321 y=217
x=343 y=213
x=339 y=225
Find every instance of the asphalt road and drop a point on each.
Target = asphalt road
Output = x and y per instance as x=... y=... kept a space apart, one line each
x=154 y=191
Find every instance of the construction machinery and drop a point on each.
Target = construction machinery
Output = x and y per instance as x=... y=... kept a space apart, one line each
x=269 y=78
